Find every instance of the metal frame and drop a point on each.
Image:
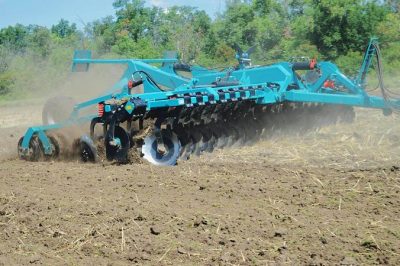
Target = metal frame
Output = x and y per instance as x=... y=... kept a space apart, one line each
x=271 y=84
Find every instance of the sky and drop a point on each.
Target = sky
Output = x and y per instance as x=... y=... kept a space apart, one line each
x=49 y=12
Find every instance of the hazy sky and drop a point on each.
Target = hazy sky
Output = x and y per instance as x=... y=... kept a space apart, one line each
x=49 y=12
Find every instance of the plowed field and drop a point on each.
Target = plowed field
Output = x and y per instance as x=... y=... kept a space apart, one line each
x=326 y=197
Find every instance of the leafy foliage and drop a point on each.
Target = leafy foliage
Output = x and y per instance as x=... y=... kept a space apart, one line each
x=327 y=29
x=63 y=29
x=343 y=26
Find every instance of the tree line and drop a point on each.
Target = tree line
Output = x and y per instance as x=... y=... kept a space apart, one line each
x=336 y=30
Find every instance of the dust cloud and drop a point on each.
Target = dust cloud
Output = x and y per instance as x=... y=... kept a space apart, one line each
x=17 y=116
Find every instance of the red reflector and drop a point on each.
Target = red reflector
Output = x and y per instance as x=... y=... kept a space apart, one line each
x=329 y=84
x=100 y=109
x=130 y=84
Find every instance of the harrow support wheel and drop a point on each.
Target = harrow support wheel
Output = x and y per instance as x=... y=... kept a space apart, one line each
x=169 y=157
x=35 y=151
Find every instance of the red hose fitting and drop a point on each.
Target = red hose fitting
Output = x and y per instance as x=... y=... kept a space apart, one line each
x=329 y=84
x=313 y=63
x=130 y=84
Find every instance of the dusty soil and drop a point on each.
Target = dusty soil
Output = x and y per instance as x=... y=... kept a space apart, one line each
x=326 y=197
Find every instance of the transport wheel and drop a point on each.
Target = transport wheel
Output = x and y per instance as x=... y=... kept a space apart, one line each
x=117 y=148
x=57 y=109
x=34 y=153
x=168 y=157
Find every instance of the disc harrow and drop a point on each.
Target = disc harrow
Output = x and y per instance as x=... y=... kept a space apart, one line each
x=175 y=118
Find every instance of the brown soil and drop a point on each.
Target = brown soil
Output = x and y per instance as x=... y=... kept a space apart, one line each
x=326 y=197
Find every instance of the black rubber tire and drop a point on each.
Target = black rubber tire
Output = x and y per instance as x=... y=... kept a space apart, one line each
x=57 y=109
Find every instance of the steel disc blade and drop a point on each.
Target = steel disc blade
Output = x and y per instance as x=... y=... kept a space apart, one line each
x=154 y=156
x=186 y=151
x=119 y=152
x=87 y=150
x=211 y=144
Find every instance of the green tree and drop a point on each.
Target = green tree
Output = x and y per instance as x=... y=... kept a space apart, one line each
x=394 y=5
x=40 y=41
x=389 y=28
x=63 y=29
x=235 y=25
x=102 y=32
x=133 y=17
x=14 y=37
x=6 y=76
x=343 y=26
x=127 y=47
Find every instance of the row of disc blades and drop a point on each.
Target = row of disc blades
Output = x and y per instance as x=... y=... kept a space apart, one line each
x=206 y=128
